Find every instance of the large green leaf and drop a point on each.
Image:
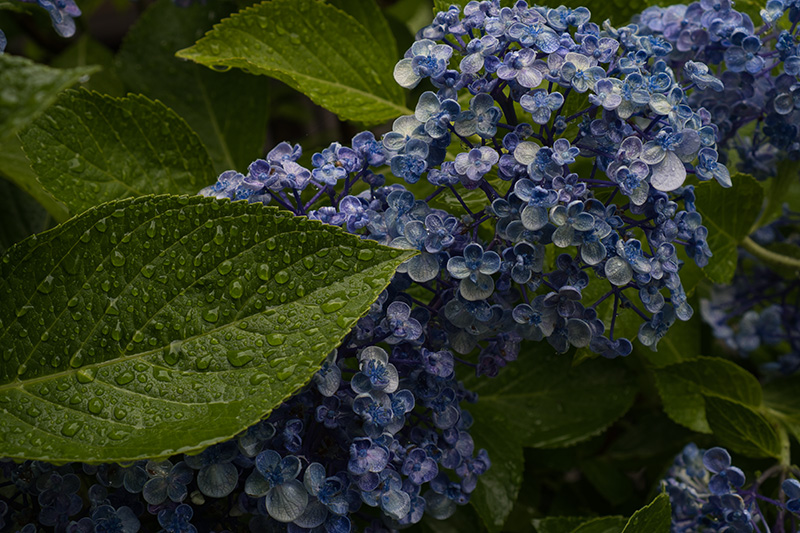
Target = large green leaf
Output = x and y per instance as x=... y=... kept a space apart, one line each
x=313 y=47
x=684 y=386
x=156 y=325
x=742 y=429
x=777 y=188
x=544 y=402
x=580 y=524
x=227 y=110
x=28 y=89
x=783 y=403
x=655 y=517
x=729 y=215
x=87 y=51
x=20 y=215
x=89 y=148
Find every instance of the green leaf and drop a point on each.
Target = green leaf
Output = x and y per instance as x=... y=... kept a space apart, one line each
x=783 y=402
x=681 y=343
x=608 y=479
x=580 y=524
x=656 y=517
x=684 y=386
x=729 y=215
x=86 y=51
x=20 y=215
x=28 y=89
x=544 y=402
x=498 y=488
x=742 y=429
x=369 y=15
x=776 y=189
x=227 y=110
x=313 y=47
x=603 y=524
x=128 y=329
x=89 y=148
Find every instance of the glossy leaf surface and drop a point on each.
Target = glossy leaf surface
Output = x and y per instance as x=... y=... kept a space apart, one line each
x=89 y=148
x=313 y=47
x=156 y=325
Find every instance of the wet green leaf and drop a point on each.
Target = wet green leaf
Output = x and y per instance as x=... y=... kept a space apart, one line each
x=684 y=386
x=127 y=329
x=28 y=89
x=313 y=47
x=88 y=148
x=544 y=402
x=742 y=429
x=729 y=215
x=232 y=123
x=655 y=517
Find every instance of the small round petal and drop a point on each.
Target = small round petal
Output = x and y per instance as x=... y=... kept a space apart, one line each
x=618 y=271
x=286 y=503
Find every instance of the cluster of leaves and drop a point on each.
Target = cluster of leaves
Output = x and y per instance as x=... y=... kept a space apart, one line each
x=145 y=292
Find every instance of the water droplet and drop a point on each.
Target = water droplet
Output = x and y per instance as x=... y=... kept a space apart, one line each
x=117 y=434
x=258 y=379
x=334 y=304
x=282 y=277
x=240 y=358
x=148 y=270
x=46 y=286
x=346 y=250
x=211 y=315
x=271 y=243
x=276 y=339
x=70 y=429
x=120 y=413
x=340 y=263
x=86 y=375
x=308 y=262
x=263 y=271
x=225 y=267
x=76 y=360
x=22 y=369
x=219 y=237
x=96 y=405
x=117 y=259
x=151 y=229
x=161 y=374
x=286 y=373
x=235 y=289
x=366 y=254
x=34 y=411
x=173 y=352
x=124 y=378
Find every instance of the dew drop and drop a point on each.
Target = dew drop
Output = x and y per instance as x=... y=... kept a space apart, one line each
x=173 y=352
x=138 y=336
x=124 y=378
x=271 y=243
x=366 y=254
x=282 y=277
x=235 y=289
x=332 y=305
x=117 y=434
x=117 y=259
x=46 y=286
x=308 y=262
x=211 y=315
x=276 y=339
x=96 y=405
x=240 y=358
x=70 y=429
x=86 y=375
x=219 y=236
x=120 y=413
x=286 y=373
x=225 y=267
x=34 y=412
x=76 y=360
x=263 y=271
x=148 y=271
x=258 y=379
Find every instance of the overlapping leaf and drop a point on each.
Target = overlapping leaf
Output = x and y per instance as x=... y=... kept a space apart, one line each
x=28 y=89
x=156 y=325
x=684 y=387
x=540 y=401
x=227 y=110
x=88 y=148
x=729 y=215
x=313 y=47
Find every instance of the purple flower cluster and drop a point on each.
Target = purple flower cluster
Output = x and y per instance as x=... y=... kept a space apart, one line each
x=707 y=493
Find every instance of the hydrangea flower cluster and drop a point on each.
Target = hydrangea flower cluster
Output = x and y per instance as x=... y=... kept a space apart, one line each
x=708 y=494
x=757 y=70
